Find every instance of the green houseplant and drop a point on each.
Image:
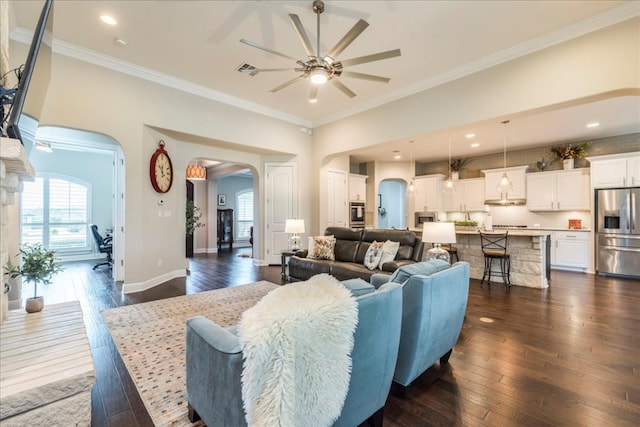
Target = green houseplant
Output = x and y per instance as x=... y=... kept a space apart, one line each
x=38 y=266
x=193 y=215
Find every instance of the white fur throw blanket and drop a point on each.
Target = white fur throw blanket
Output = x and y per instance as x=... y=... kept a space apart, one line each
x=296 y=345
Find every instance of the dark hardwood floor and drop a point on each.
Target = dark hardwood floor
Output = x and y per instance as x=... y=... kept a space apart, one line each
x=567 y=355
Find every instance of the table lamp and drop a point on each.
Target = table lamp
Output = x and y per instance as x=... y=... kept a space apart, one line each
x=294 y=226
x=438 y=233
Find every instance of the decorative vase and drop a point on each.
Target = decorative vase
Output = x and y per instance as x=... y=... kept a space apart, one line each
x=455 y=175
x=34 y=305
x=567 y=164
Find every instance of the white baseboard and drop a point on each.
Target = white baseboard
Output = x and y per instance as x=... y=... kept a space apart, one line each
x=259 y=262
x=128 y=288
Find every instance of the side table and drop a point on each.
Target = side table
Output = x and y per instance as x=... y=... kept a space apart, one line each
x=283 y=260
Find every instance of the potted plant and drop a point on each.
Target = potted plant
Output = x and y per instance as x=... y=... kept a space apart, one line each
x=456 y=166
x=570 y=152
x=38 y=266
x=193 y=215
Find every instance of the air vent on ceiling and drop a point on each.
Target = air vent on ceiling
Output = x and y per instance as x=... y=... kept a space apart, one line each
x=248 y=69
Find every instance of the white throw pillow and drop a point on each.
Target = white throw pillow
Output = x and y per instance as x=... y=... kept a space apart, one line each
x=372 y=257
x=389 y=251
x=321 y=247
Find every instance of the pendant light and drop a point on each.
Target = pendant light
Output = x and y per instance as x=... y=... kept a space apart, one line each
x=411 y=189
x=449 y=186
x=196 y=173
x=504 y=185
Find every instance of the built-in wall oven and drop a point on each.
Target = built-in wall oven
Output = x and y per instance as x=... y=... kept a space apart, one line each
x=422 y=217
x=356 y=214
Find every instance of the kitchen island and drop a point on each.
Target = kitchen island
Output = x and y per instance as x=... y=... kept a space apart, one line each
x=530 y=256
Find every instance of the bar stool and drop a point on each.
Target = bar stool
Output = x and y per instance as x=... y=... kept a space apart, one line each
x=494 y=246
x=453 y=251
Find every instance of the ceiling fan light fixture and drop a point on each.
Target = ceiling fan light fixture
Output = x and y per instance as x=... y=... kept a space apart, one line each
x=319 y=76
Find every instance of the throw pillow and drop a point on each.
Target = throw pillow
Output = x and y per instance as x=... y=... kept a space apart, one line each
x=321 y=247
x=389 y=251
x=372 y=257
x=426 y=268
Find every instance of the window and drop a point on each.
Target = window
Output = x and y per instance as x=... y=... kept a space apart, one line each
x=244 y=214
x=55 y=212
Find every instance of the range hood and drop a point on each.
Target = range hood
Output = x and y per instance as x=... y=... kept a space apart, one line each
x=508 y=202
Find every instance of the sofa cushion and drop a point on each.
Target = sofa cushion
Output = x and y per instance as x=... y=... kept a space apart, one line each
x=373 y=255
x=426 y=268
x=358 y=286
x=321 y=247
x=351 y=270
x=389 y=251
x=408 y=241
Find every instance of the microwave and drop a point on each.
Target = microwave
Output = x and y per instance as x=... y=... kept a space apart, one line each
x=422 y=217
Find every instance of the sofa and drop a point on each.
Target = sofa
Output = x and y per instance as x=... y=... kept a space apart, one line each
x=349 y=252
x=434 y=302
x=214 y=362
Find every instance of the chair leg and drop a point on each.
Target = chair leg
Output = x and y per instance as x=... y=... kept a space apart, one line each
x=375 y=420
x=484 y=273
x=399 y=390
x=490 y=266
x=193 y=415
x=445 y=359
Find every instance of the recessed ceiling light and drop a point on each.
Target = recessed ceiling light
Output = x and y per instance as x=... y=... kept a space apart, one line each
x=396 y=154
x=108 y=20
x=470 y=135
x=593 y=125
x=120 y=42
x=475 y=145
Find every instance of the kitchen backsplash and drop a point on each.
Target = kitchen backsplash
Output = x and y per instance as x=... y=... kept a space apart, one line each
x=519 y=215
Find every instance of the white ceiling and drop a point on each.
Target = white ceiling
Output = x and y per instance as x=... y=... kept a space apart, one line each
x=197 y=43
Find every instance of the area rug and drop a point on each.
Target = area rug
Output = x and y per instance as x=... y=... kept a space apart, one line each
x=151 y=340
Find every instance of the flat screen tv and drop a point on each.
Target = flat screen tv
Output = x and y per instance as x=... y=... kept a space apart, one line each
x=34 y=79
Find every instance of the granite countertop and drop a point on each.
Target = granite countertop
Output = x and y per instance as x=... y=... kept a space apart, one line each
x=519 y=232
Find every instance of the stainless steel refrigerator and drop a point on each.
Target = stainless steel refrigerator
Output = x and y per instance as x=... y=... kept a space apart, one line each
x=618 y=231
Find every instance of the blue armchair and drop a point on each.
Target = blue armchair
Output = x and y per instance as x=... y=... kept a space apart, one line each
x=214 y=363
x=434 y=303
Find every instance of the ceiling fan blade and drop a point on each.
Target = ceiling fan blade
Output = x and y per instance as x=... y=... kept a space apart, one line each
x=266 y=49
x=289 y=83
x=313 y=96
x=366 y=76
x=371 y=58
x=343 y=88
x=260 y=70
x=354 y=32
x=304 y=38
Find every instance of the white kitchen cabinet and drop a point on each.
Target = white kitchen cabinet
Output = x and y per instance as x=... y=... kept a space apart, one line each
x=517 y=176
x=357 y=188
x=558 y=190
x=615 y=170
x=570 y=249
x=428 y=193
x=468 y=196
x=337 y=199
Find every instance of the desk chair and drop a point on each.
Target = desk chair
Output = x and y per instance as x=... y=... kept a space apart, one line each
x=494 y=247
x=104 y=245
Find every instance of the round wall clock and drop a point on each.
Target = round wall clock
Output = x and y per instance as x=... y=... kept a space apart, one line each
x=161 y=170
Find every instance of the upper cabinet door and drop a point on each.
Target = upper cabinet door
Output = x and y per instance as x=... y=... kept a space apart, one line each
x=357 y=188
x=542 y=192
x=609 y=173
x=633 y=171
x=517 y=176
x=572 y=189
x=428 y=193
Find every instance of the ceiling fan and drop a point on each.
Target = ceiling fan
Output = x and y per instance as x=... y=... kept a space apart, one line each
x=321 y=69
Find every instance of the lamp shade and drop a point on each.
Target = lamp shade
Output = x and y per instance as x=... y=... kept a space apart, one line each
x=439 y=232
x=294 y=226
x=196 y=173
